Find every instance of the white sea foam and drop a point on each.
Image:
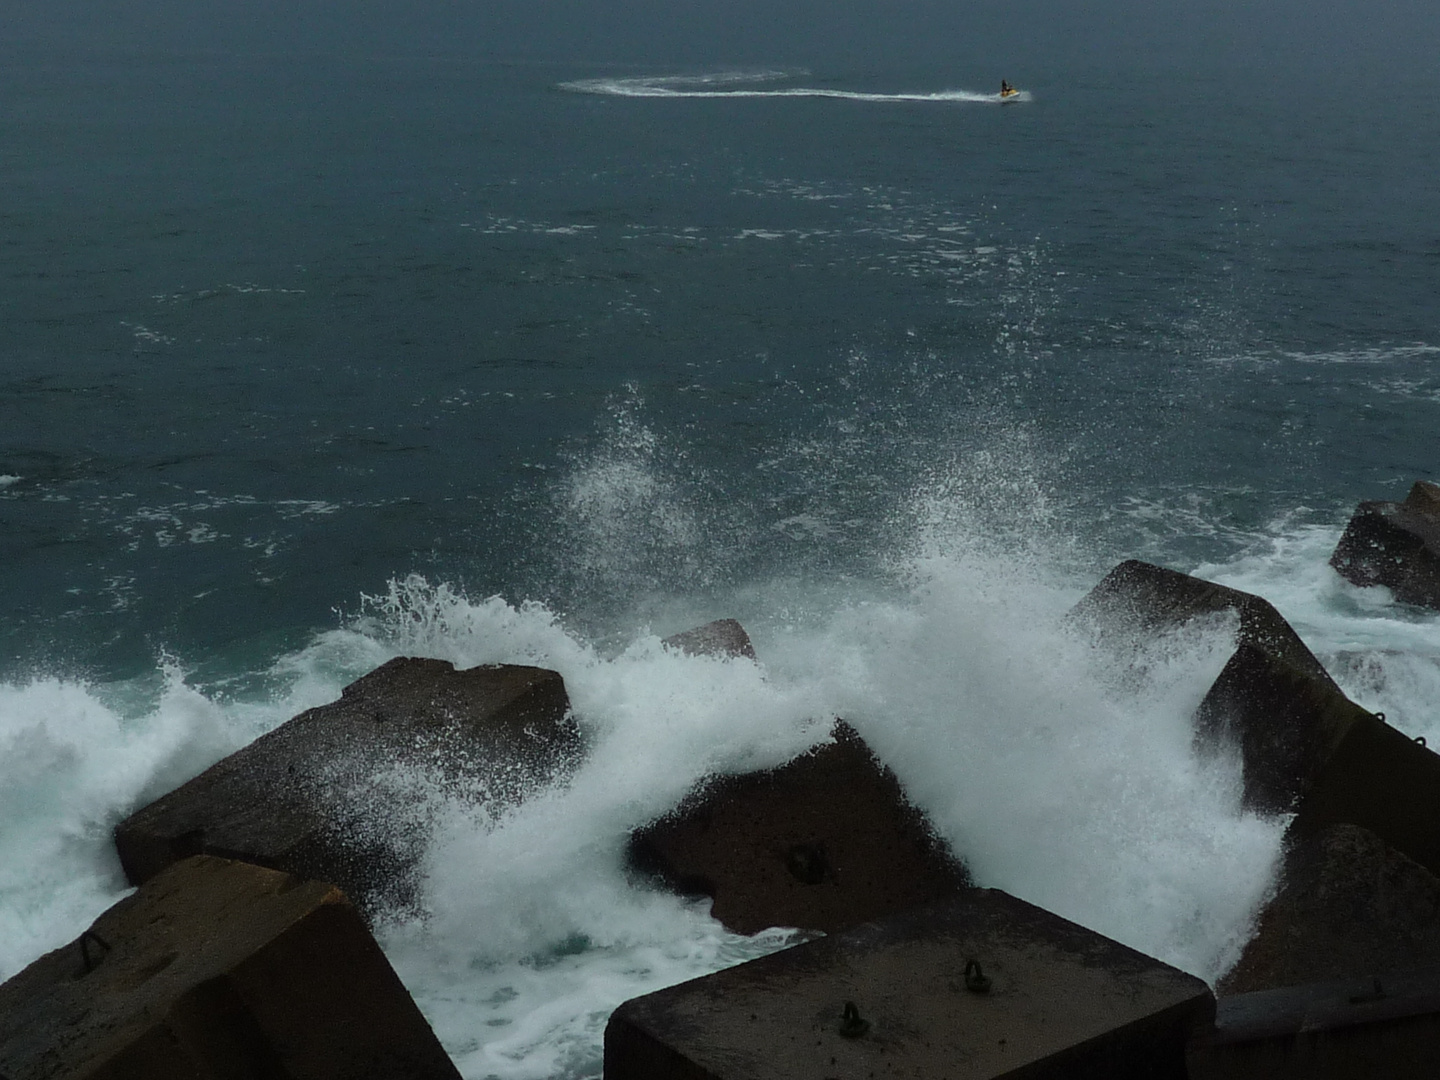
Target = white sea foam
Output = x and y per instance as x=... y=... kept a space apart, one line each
x=741 y=85
x=1050 y=782
x=76 y=758
x=6 y=479
x=69 y=763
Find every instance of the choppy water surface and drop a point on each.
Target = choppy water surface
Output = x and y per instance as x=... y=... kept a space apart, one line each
x=304 y=365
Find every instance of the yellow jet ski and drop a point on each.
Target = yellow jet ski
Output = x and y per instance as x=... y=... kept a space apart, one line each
x=1008 y=93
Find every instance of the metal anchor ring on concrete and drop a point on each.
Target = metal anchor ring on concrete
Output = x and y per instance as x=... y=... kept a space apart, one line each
x=976 y=981
x=85 y=939
x=852 y=1026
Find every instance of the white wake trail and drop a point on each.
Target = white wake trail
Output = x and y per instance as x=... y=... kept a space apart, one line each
x=733 y=85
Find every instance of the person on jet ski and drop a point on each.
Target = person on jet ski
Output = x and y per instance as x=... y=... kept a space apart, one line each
x=1005 y=88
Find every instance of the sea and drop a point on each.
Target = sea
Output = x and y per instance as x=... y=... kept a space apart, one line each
x=535 y=332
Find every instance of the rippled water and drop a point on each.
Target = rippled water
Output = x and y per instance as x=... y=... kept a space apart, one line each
x=315 y=355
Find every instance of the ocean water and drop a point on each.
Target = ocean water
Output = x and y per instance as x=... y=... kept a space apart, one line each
x=512 y=333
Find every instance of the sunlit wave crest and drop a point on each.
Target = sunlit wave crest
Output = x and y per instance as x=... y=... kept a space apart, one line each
x=749 y=84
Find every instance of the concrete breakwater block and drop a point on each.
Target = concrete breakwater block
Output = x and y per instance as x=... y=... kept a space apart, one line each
x=1287 y=721
x=1138 y=601
x=218 y=970
x=723 y=637
x=1382 y=780
x=1349 y=1029
x=823 y=842
x=1273 y=699
x=1304 y=745
x=325 y=795
x=1347 y=903
x=1396 y=545
x=983 y=985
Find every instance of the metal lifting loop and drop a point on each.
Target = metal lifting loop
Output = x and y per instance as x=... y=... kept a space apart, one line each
x=85 y=939
x=851 y=1024
x=976 y=981
x=1421 y=740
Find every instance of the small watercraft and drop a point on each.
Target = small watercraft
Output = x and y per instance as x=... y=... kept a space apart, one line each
x=1009 y=94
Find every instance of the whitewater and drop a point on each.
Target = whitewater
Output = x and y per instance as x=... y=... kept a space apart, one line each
x=1053 y=776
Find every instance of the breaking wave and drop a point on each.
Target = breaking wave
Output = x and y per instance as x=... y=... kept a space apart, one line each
x=1052 y=777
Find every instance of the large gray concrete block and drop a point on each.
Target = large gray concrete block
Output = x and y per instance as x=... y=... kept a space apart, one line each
x=1347 y=904
x=723 y=637
x=824 y=842
x=325 y=795
x=1274 y=700
x=218 y=970
x=1396 y=545
x=1048 y=999
x=1305 y=746
x=1287 y=722
x=1137 y=601
x=1384 y=781
x=1375 y=1027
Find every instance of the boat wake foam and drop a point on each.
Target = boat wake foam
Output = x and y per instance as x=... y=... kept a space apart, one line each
x=752 y=84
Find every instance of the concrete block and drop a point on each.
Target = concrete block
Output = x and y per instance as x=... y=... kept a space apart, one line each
x=1287 y=721
x=823 y=842
x=1274 y=699
x=1304 y=745
x=1138 y=601
x=1350 y=1029
x=1043 y=998
x=1384 y=781
x=1347 y=903
x=218 y=970
x=317 y=797
x=723 y=637
x=1396 y=545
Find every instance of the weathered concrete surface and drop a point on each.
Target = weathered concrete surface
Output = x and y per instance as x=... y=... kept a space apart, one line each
x=1347 y=904
x=218 y=970
x=1062 y=1001
x=1287 y=721
x=1396 y=545
x=1274 y=699
x=723 y=637
x=1382 y=780
x=1385 y=1026
x=324 y=796
x=1138 y=601
x=1305 y=746
x=823 y=842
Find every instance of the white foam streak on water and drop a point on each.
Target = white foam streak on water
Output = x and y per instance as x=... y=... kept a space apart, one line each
x=724 y=86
